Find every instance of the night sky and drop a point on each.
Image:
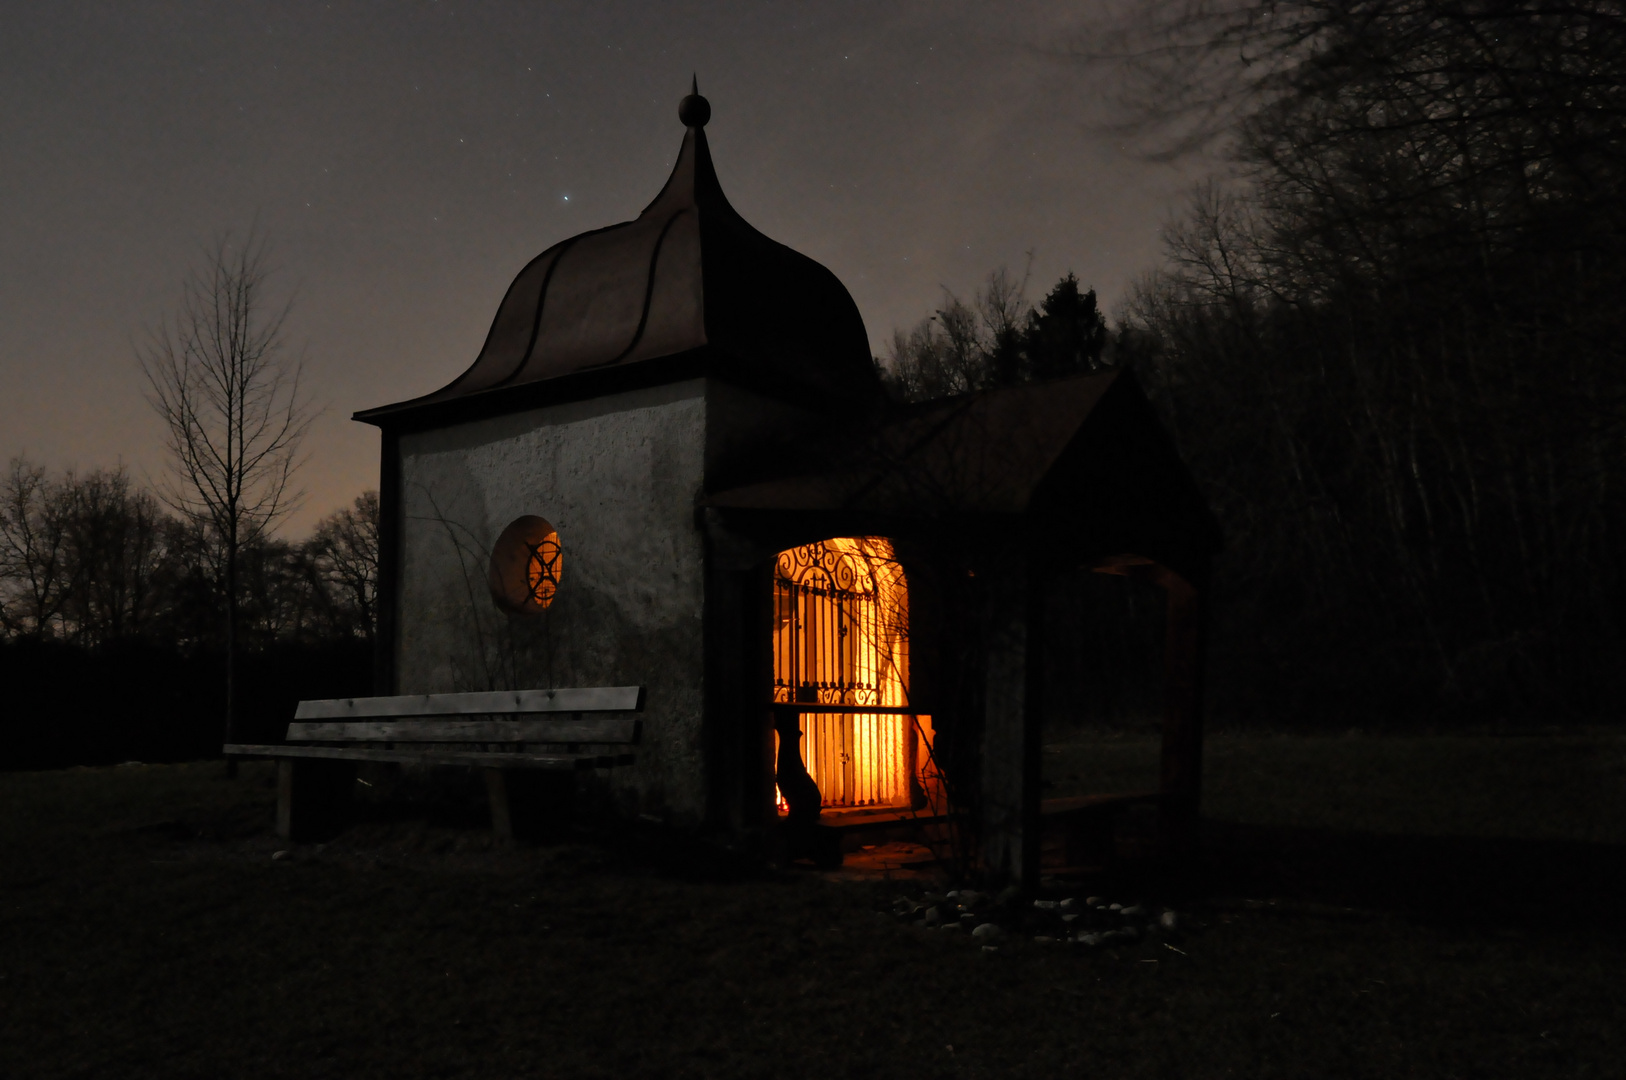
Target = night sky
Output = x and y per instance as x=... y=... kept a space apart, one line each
x=407 y=159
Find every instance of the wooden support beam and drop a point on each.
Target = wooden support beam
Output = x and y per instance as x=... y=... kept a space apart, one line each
x=1012 y=720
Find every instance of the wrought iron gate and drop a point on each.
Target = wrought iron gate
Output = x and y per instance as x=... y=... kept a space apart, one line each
x=841 y=642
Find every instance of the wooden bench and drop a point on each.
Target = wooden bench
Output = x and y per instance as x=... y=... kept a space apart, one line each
x=494 y=731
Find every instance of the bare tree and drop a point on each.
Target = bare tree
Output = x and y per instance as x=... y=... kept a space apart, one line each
x=114 y=540
x=233 y=412
x=997 y=340
x=963 y=347
x=1389 y=342
x=33 y=556
x=344 y=549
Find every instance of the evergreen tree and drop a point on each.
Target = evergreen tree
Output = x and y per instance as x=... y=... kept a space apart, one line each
x=1066 y=334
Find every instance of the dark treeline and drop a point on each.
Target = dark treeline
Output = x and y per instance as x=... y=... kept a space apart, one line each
x=1392 y=351
x=112 y=617
x=1103 y=660
x=1390 y=346
x=996 y=339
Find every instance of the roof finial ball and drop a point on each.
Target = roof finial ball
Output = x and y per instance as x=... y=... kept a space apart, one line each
x=694 y=110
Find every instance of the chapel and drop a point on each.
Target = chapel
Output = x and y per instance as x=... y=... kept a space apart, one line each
x=673 y=465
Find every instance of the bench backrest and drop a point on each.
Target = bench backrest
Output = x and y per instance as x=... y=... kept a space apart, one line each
x=430 y=717
x=513 y=702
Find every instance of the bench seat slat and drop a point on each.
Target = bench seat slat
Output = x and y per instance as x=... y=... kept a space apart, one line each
x=500 y=702
x=431 y=757
x=593 y=730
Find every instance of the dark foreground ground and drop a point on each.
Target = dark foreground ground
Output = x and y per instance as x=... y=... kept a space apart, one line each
x=1379 y=907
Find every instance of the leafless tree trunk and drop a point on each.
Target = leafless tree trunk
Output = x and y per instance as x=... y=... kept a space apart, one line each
x=233 y=412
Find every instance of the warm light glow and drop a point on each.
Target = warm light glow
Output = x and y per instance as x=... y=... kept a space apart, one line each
x=542 y=569
x=524 y=571
x=841 y=637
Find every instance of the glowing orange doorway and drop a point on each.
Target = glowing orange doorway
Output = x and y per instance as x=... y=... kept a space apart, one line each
x=841 y=638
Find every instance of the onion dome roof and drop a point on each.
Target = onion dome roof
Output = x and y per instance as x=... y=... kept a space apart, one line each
x=688 y=278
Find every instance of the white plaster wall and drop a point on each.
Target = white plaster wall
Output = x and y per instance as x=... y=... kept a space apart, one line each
x=618 y=478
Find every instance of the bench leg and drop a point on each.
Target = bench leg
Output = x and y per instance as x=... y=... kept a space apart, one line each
x=285 y=799
x=502 y=822
x=313 y=797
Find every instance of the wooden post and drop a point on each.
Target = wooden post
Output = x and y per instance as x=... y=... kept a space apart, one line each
x=1182 y=761
x=502 y=822
x=1012 y=703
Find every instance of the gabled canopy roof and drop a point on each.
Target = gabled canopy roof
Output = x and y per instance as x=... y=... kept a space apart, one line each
x=1083 y=461
x=981 y=453
x=689 y=277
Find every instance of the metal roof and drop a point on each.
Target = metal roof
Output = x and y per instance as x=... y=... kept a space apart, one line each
x=687 y=276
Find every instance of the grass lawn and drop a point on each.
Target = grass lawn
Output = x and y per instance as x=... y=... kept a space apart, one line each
x=1372 y=906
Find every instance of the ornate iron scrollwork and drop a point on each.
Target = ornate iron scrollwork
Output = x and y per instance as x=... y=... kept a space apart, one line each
x=816 y=667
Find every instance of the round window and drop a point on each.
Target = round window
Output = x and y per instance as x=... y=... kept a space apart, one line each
x=524 y=572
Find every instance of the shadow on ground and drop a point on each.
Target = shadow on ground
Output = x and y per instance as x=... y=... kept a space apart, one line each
x=1469 y=880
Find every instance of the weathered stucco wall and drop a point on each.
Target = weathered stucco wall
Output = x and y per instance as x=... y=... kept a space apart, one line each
x=618 y=478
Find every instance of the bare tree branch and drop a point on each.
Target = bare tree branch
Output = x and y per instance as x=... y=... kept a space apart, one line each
x=232 y=406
